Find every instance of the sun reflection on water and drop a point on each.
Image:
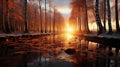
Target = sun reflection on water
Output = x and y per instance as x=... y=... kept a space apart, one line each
x=69 y=36
x=69 y=31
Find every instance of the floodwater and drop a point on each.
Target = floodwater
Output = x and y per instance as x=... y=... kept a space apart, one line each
x=50 y=51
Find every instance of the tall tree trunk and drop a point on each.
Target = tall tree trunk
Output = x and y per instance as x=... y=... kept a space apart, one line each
x=50 y=21
x=40 y=17
x=98 y=21
x=35 y=26
x=3 y=16
x=79 y=16
x=7 y=28
x=109 y=17
x=12 y=17
x=50 y=16
x=86 y=23
x=104 y=20
x=117 y=16
x=54 y=21
x=45 y=18
x=25 y=16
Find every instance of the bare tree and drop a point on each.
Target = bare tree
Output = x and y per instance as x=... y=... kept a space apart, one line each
x=117 y=15
x=25 y=16
x=7 y=28
x=12 y=12
x=109 y=17
x=45 y=16
x=98 y=21
x=104 y=21
x=54 y=20
x=86 y=23
x=79 y=14
x=35 y=17
x=40 y=11
x=3 y=15
x=50 y=16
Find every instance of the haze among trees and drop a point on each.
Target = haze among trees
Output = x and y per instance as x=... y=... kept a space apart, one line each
x=29 y=16
x=34 y=16
x=103 y=13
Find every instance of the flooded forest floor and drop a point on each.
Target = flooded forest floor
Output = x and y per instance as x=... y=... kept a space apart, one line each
x=51 y=51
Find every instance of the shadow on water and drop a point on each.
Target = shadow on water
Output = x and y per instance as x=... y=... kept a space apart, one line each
x=52 y=51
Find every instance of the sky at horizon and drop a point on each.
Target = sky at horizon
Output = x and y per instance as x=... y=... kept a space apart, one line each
x=63 y=6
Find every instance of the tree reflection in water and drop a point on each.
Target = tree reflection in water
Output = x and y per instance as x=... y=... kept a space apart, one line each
x=49 y=51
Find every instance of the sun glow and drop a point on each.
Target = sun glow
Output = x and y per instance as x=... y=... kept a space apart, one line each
x=69 y=36
x=69 y=31
x=93 y=26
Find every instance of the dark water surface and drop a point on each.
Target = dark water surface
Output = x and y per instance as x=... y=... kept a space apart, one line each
x=49 y=51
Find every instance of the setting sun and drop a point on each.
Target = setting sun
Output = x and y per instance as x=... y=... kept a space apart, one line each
x=70 y=30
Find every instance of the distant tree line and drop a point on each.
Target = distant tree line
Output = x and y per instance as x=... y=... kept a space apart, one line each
x=29 y=16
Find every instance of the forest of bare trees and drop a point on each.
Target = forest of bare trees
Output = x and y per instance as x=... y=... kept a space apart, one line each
x=105 y=13
x=29 y=16
x=33 y=16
